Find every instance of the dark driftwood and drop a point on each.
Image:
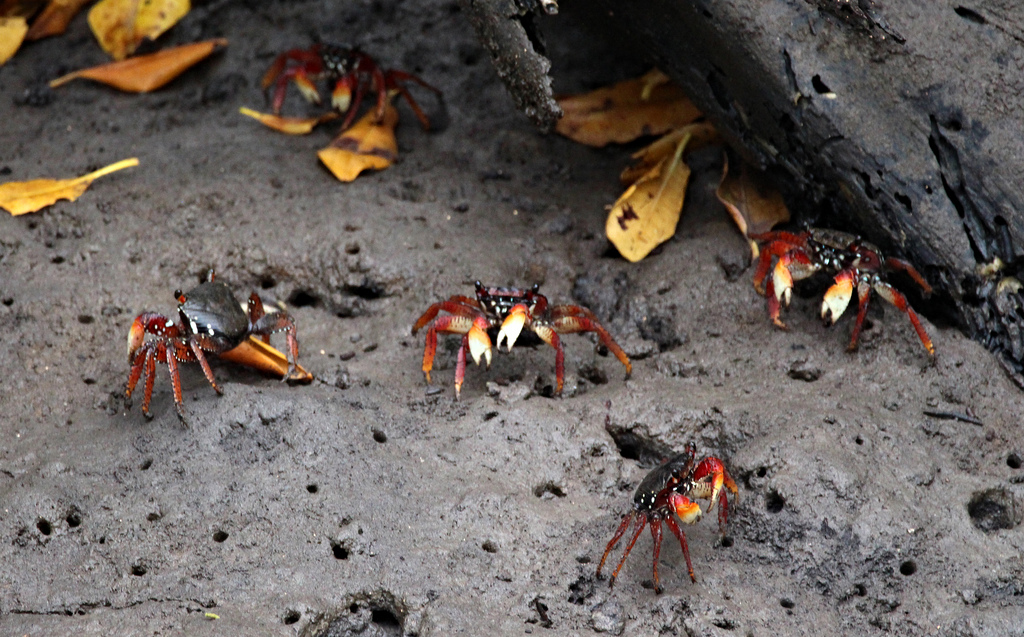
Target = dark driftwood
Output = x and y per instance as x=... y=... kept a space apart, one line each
x=903 y=123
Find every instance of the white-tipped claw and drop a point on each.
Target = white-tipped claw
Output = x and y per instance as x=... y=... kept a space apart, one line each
x=512 y=326
x=479 y=345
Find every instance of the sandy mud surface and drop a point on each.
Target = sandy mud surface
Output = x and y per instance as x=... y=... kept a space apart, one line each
x=371 y=503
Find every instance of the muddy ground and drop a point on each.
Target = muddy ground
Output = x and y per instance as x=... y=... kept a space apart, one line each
x=371 y=503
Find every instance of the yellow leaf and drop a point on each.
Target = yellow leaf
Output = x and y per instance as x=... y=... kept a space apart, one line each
x=289 y=125
x=269 y=360
x=368 y=144
x=121 y=25
x=55 y=18
x=647 y=213
x=146 y=72
x=648 y=105
x=701 y=134
x=752 y=201
x=20 y=197
x=12 y=34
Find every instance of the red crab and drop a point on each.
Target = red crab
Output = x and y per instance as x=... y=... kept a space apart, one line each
x=210 y=320
x=507 y=311
x=672 y=488
x=352 y=72
x=854 y=264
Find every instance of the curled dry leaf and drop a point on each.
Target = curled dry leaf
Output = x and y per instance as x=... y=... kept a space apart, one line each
x=21 y=197
x=701 y=134
x=12 y=34
x=647 y=213
x=649 y=105
x=289 y=125
x=120 y=26
x=368 y=144
x=752 y=201
x=146 y=72
x=55 y=18
x=254 y=353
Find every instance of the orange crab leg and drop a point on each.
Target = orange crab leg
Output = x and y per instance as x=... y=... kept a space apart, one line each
x=475 y=340
x=678 y=532
x=615 y=539
x=641 y=522
x=549 y=336
x=893 y=296
x=575 y=324
x=900 y=264
x=773 y=244
x=656 y=536
x=458 y=305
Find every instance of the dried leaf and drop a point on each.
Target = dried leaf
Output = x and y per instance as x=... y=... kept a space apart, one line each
x=20 y=197
x=647 y=213
x=258 y=355
x=289 y=125
x=122 y=25
x=146 y=72
x=12 y=34
x=20 y=8
x=649 y=105
x=367 y=144
x=752 y=201
x=702 y=134
x=55 y=18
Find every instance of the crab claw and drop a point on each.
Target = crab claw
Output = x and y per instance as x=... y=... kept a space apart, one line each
x=307 y=88
x=688 y=511
x=513 y=325
x=782 y=281
x=136 y=335
x=837 y=297
x=341 y=96
x=479 y=341
x=708 y=478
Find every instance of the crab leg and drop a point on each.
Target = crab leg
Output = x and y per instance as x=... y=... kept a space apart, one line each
x=656 y=536
x=615 y=539
x=678 y=532
x=279 y=322
x=458 y=305
x=571 y=324
x=549 y=336
x=893 y=296
x=900 y=264
x=256 y=312
x=197 y=351
x=172 y=366
x=709 y=477
x=641 y=522
x=475 y=340
x=774 y=244
x=151 y=356
x=460 y=365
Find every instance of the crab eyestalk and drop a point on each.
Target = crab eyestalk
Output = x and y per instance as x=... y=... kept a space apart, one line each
x=513 y=325
x=837 y=298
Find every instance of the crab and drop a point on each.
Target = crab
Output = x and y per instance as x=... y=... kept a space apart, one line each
x=352 y=73
x=507 y=311
x=854 y=264
x=210 y=321
x=673 y=488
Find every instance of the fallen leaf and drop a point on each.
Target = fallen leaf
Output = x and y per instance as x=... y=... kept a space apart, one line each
x=367 y=144
x=289 y=125
x=55 y=18
x=20 y=8
x=12 y=34
x=120 y=26
x=649 y=105
x=701 y=134
x=146 y=72
x=647 y=213
x=752 y=201
x=258 y=355
x=21 y=197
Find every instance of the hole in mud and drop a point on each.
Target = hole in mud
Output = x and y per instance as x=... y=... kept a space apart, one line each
x=489 y=546
x=219 y=536
x=267 y=282
x=970 y=15
x=340 y=552
x=490 y=415
x=74 y=519
x=386 y=620
x=860 y=590
x=761 y=472
x=727 y=541
x=57 y=259
x=774 y=502
x=146 y=464
x=542 y=490
x=908 y=568
x=904 y=201
x=787 y=602
x=859 y=440
x=8 y=301
x=312 y=488
x=138 y=570
x=353 y=608
x=992 y=510
x=291 y=616
x=954 y=125
x=44 y=526
x=85 y=319
x=648 y=453
x=302 y=298
x=369 y=291
x=819 y=86
x=380 y=436
x=1013 y=461
x=153 y=517
x=89 y=381
x=581 y=590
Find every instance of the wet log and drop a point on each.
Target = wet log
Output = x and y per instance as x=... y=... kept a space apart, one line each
x=903 y=123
